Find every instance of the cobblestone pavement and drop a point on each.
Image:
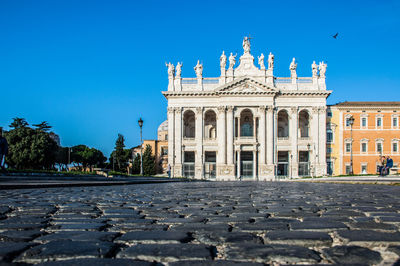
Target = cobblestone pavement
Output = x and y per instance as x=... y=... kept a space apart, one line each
x=198 y=223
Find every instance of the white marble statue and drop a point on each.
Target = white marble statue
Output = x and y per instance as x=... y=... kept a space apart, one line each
x=171 y=69
x=261 y=61
x=246 y=45
x=178 y=69
x=292 y=67
x=232 y=61
x=322 y=69
x=199 y=69
x=271 y=61
x=222 y=60
x=314 y=68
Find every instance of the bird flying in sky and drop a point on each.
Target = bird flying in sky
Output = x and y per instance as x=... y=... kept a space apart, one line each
x=335 y=36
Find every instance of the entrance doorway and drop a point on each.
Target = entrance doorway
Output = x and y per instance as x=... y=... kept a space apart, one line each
x=246 y=167
x=210 y=166
x=304 y=163
x=283 y=164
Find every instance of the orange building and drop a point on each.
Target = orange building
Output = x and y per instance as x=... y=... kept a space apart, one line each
x=159 y=148
x=375 y=132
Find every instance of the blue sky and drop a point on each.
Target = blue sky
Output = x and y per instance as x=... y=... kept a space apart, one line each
x=92 y=68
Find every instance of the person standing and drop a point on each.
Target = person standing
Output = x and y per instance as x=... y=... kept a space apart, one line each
x=3 y=150
x=382 y=166
x=169 y=171
x=389 y=164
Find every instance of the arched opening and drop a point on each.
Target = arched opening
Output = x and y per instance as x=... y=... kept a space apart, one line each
x=283 y=124
x=246 y=123
x=304 y=124
x=189 y=124
x=210 y=125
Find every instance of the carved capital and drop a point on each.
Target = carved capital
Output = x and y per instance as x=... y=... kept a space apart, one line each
x=230 y=108
x=322 y=110
x=270 y=109
x=262 y=109
x=199 y=110
x=221 y=109
x=178 y=110
x=170 y=110
x=293 y=110
x=314 y=110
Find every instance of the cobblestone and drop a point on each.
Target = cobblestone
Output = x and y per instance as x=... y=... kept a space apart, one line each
x=198 y=223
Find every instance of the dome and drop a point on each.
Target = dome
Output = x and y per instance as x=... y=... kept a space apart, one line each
x=163 y=126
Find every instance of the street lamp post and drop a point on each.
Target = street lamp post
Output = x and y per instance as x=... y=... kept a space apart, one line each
x=351 y=122
x=141 y=146
x=308 y=159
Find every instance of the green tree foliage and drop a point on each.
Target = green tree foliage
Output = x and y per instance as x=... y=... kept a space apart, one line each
x=62 y=157
x=119 y=151
x=149 y=164
x=124 y=157
x=30 y=148
x=136 y=165
x=44 y=126
x=84 y=157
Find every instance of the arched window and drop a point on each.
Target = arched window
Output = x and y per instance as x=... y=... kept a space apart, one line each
x=246 y=123
x=304 y=124
x=189 y=124
x=210 y=125
x=283 y=124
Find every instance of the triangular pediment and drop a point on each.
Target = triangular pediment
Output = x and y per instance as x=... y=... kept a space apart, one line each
x=245 y=85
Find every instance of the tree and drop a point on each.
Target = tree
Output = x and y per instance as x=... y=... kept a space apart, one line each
x=119 y=150
x=18 y=123
x=136 y=165
x=124 y=157
x=44 y=126
x=149 y=162
x=84 y=157
x=62 y=157
x=29 y=148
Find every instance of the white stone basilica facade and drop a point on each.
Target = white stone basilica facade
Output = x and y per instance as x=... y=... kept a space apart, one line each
x=247 y=124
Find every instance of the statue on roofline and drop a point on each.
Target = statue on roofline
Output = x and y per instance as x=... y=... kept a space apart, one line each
x=261 y=61
x=292 y=67
x=322 y=69
x=232 y=60
x=222 y=60
x=314 y=68
x=178 y=69
x=271 y=61
x=199 y=69
x=246 y=45
x=171 y=69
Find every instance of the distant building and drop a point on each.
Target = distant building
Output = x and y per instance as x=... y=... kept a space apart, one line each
x=159 y=148
x=375 y=132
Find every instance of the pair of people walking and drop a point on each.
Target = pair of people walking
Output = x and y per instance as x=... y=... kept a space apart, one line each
x=386 y=164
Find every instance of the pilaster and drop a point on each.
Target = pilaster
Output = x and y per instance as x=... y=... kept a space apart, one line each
x=199 y=143
x=178 y=141
x=221 y=137
x=322 y=141
x=171 y=142
x=294 y=139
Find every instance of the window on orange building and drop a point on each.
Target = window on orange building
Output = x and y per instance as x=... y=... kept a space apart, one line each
x=395 y=122
x=395 y=147
x=379 y=122
x=348 y=147
x=379 y=147
x=363 y=147
x=364 y=122
x=329 y=136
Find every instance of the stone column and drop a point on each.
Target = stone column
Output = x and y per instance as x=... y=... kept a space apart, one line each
x=314 y=139
x=229 y=142
x=171 y=141
x=238 y=164
x=269 y=171
x=221 y=137
x=261 y=138
x=294 y=139
x=178 y=142
x=255 y=162
x=322 y=140
x=199 y=143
